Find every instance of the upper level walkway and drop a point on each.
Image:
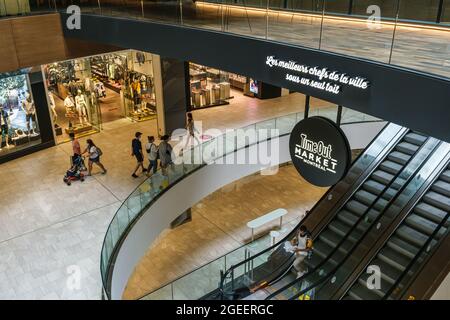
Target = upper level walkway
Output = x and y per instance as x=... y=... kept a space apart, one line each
x=397 y=34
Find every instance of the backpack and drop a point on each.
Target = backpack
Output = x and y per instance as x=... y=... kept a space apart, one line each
x=99 y=151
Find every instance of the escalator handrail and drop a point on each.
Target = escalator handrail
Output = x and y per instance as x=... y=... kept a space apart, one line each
x=414 y=260
x=399 y=134
x=361 y=218
x=410 y=206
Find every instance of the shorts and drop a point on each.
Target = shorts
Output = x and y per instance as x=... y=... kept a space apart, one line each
x=95 y=160
x=31 y=117
x=139 y=157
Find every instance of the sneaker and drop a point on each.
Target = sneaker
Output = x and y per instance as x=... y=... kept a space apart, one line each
x=145 y=170
x=134 y=175
x=104 y=172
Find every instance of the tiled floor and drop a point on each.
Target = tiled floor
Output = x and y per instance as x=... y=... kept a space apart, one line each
x=46 y=226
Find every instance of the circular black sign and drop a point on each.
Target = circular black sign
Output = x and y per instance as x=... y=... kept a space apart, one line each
x=320 y=151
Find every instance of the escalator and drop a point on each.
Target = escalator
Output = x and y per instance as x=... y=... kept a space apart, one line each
x=337 y=274
x=346 y=213
x=422 y=228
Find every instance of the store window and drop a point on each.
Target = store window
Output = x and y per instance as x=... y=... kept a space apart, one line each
x=86 y=93
x=139 y=88
x=18 y=115
x=73 y=103
x=212 y=87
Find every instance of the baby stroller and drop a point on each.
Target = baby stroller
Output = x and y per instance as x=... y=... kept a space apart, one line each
x=75 y=171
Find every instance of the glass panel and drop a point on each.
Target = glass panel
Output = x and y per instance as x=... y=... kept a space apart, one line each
x=295 y=27
x=422 y=49
x=369 y=37
x=246 y=136
x=245 y=19
x=200 y=282
x=286 y=124
x=207 y=15
x=387 y=7
x=337 y=6
x=323 y=109
x=419 y=10
x=445 y=18
x=352 y=116
x=19 y=127
x=165 y=293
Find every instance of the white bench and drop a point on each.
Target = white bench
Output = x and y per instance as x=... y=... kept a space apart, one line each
x=258 y=222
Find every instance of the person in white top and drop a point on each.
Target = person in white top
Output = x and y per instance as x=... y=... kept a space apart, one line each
x=302 y=248
x=152 y=151
x=94 y=156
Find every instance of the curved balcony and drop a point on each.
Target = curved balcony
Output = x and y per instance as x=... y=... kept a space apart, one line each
x=152 y=196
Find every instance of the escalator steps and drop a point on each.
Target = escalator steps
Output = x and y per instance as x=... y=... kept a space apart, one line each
x=415 y=138
x=446 y=176
x=411 y=235
x=399 y=157
x=356 y=207
x=430 y=212
x=437 y=200
x=388 y=272
x=402 y=247
x=441 y=187
x=407 y=148
x=394 y=258
x=382 y=177
x=391 y=167
x=421 y=224
x=365 y=197
x=373 y=186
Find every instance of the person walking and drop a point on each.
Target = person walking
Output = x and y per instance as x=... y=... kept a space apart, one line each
x=191 y=130
x=94 y=154
x=152 y=152
x=76 y=147
x=136 y=147
x=76 y=150
x=165 y=153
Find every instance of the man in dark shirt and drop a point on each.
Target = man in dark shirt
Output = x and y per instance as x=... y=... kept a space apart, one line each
x=136 y=147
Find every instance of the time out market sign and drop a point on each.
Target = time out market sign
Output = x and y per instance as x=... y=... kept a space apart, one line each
x=320 y=78
x=320 y=151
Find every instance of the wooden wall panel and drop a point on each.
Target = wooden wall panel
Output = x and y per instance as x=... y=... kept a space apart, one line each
x=35 y=40
x=38 y=38
x=8 y=56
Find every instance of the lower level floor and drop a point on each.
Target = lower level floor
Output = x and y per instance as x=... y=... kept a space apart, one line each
x=48 y=230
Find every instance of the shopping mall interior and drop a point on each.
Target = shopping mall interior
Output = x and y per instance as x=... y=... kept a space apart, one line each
x=268 y=118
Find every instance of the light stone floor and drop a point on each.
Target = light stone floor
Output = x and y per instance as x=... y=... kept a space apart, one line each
x=46 y=227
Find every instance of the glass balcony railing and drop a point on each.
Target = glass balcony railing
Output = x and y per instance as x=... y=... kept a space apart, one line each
x=190 y=160
x=146 y=193
x=412 y=34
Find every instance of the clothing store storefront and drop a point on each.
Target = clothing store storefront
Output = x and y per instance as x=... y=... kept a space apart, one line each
x=86 y=93
x=211 y=87
x=18 y=114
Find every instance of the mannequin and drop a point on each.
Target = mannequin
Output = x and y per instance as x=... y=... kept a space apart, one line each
x=30 y=112
x=69 y=105
x=52 y=107
x=4 y=126
x=81 y=106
